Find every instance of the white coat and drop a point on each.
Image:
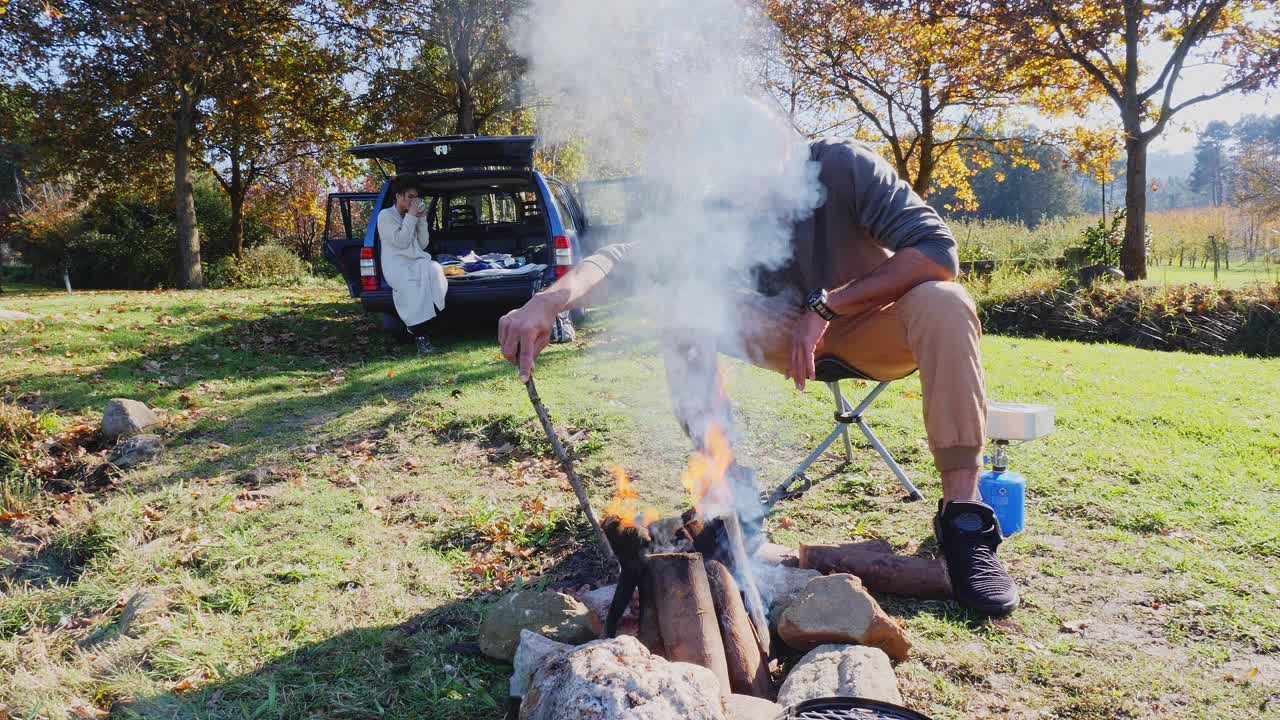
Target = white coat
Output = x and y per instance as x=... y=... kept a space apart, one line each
x=418 y=284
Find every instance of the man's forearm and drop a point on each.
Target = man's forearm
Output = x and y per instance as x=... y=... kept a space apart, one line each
x=897 y=275
x=571 y=290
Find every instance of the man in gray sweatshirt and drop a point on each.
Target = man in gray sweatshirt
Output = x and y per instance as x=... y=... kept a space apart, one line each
x=870 y=284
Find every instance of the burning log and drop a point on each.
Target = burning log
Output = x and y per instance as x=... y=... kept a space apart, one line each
x=630 y=544
x=687 y=614
x=650 y=633
x=748 y=666
x=880 y=571
x=742 y=571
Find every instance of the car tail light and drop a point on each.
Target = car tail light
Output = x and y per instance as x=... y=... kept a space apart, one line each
x=368 y=274
x=564 y=255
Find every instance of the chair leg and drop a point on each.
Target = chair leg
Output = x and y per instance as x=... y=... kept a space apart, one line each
x=888 y=460
x=843 y=406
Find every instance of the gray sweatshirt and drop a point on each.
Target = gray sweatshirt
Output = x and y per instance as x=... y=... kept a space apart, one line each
x=869 y=213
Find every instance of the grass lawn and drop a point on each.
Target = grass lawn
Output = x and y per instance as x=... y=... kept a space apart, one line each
x=407 y=492
x=1240 y=275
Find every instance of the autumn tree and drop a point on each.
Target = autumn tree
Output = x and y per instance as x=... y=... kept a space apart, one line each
x=269 y=111
x=124 y=82
x=1104 y=39
x=443 y=66
x=935 y=89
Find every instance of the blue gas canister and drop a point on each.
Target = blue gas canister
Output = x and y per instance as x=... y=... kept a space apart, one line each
x=1005 y=491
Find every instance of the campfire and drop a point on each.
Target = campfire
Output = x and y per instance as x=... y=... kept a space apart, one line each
x=699 y=601
x=707 y=614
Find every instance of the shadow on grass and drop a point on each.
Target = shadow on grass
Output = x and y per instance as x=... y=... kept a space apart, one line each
x=429 y=666
x=308 y=362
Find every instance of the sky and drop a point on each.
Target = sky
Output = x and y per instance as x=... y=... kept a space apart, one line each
x=1180 y=135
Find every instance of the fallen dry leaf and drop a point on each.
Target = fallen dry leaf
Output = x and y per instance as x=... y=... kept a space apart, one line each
x=152 y=514
x=1074 y=626
x=189 y=682
x=786 y=522
x=247 y=504
x=9 y=516
x=84 y=712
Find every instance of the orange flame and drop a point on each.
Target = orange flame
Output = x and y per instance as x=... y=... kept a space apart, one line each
x=704 y=478
x=625 y=504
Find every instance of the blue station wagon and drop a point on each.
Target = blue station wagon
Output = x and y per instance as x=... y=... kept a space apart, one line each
x=483 y=197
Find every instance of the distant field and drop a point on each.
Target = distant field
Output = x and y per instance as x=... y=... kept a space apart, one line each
x=1240 y=275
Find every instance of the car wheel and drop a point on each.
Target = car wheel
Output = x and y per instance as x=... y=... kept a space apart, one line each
x=391 y=324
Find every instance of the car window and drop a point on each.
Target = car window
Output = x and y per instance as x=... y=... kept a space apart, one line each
x=562 y=206
x=487 y=208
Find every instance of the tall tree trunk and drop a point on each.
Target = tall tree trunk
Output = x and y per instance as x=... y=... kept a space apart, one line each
x=190 y=273
x=236 y=192
x=1133 y=254
x=237 y=223
x=466 y=111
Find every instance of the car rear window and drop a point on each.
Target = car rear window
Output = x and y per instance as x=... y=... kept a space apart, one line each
x=490 y=207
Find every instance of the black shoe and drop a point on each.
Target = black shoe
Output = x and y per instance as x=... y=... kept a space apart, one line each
x=969 y=535
x=424 y=345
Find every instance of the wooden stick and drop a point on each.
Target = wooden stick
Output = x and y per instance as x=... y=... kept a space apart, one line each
x=567 y=466
x=742 y=571
x=748 y=667
x=687 y=614
x=882 y=572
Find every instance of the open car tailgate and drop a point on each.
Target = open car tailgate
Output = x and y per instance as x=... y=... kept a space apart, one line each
x=453 y=152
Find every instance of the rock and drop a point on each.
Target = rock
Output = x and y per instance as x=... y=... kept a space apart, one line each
x=837 y=609
x=1090 y=274
x=142 y=608
x=841 y=671
x=254 y=477
x=550 y=614
x=136 y=450
x=619 y=678
x=532 y=652
x=123 y=416
x=746 y=707
x=16 y=315
x=598 y=600
x=779 y=585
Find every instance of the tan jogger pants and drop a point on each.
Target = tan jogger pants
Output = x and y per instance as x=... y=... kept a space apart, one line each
x=933 y=327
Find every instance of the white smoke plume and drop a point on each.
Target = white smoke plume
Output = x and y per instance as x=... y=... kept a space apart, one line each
x=664 y=88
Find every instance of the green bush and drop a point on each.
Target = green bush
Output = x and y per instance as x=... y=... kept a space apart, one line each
x=1188 y=318
x=129 y=240
x=267 y=265
x=1102 y=242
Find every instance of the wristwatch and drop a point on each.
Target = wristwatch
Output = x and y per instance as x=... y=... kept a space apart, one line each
x=817 y=302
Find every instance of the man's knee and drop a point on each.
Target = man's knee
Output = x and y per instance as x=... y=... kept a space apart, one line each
x=940 y=302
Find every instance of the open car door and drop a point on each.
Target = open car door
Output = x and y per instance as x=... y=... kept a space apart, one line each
x=607 y=205
x=347 y=220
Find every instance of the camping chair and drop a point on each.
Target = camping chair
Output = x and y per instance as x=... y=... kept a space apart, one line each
x=831 y=371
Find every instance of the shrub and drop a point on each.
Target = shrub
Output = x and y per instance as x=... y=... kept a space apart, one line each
x=262 y=266
x=1188 y=318
x=1102 y=242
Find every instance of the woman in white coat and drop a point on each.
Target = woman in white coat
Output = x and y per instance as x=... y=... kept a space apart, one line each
x=418 y=283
